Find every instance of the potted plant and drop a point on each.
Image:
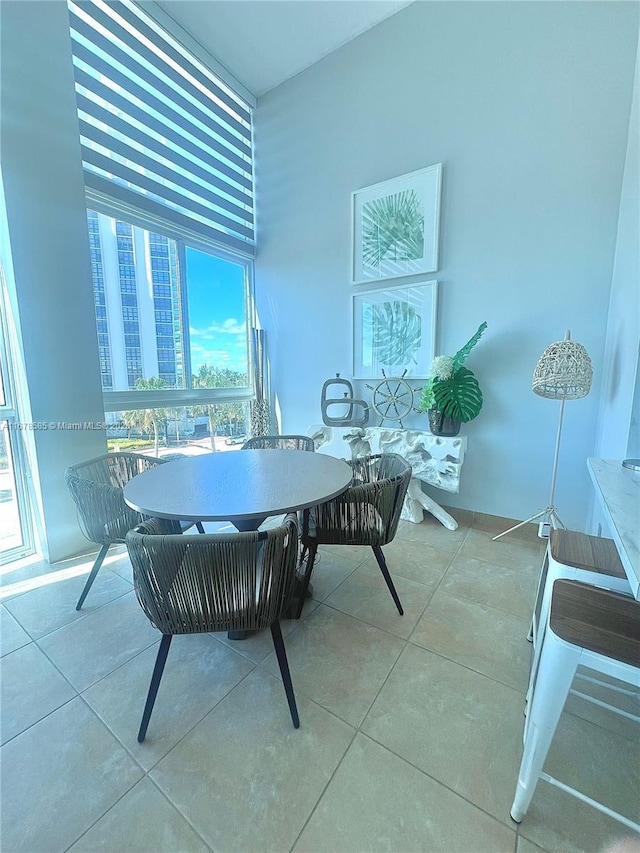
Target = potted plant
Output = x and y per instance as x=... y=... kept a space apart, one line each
x=452 y=395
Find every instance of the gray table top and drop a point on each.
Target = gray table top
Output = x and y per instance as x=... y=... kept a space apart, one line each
x=239 y=485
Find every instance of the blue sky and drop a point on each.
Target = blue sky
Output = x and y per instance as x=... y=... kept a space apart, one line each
x=215 y=289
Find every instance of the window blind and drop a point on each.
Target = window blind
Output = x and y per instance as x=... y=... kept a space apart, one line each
x=159 y=131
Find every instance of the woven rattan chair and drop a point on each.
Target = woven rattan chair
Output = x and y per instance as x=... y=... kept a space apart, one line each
x=104 y=518
x=366 y=514
x=279 y=442
x=216 y=582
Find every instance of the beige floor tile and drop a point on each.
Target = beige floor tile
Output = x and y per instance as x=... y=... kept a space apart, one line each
x=414 y=560
x=431 y=532
x=31 y=687
x=601 y=765
x=376 y=801
x=332 y=568
x=141 y=822
x=495 y=524
x=53 y=605
x=559 y=822
x=90 y=648
x=244 y=777
x=515 y=552
x=14 y=576
x=482 y=638
x=355 y=553
x=526 y=846
x=339 y=662
x=59 y=777
x=198 y=673
x=365 y=595
x=601 y=716
x=12 y=635
x=501 y=587
x=460 y=727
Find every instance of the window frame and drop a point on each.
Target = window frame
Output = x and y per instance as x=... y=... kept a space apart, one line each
x=117 y=401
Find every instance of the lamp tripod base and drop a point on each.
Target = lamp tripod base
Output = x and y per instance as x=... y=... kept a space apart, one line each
x=548 y=515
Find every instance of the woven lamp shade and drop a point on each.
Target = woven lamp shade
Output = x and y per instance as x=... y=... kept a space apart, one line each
x=563 y=372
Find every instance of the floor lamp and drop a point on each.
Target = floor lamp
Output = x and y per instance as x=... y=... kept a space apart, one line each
x=563 y=372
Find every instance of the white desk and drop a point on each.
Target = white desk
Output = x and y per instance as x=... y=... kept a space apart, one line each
x=435 y=460
x=618 y=490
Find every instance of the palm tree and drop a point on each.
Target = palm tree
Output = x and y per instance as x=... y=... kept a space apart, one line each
x=221 y=413
x=147 y=419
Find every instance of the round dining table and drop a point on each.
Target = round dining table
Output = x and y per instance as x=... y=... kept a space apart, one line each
x=244 y=487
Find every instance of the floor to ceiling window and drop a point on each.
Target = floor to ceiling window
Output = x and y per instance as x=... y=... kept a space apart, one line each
x=168 y=162
x=16 y=529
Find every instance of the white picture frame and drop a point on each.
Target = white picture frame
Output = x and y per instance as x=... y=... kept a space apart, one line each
x=380 y=249
x=394 y=329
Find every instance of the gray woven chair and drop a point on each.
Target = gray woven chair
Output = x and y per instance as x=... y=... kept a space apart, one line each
x=279 y=442
x=366 y=514
x=104 y=518
x=216 y=582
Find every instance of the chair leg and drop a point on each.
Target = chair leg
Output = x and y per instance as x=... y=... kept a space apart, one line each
x=158 y=669
x=278 y=644
x=92 y=575
x=301 y=592
x=199 y=527
x=557 y=667
x=377 y=550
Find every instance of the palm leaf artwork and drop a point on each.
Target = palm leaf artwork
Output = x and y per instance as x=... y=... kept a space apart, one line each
x=393 y=229
x=461 y=356
x=396 y=332
x=459 y=397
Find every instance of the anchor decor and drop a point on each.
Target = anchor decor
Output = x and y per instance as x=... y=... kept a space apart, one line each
x=348 y=400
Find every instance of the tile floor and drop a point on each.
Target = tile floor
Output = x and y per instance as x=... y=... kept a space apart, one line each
x=411 y=726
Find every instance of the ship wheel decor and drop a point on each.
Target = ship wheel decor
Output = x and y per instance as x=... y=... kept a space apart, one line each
x=392 y=398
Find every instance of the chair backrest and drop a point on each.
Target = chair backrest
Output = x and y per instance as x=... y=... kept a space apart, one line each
x=213 y=582
x=279 y=442
x=96 y=488
x=369 y=511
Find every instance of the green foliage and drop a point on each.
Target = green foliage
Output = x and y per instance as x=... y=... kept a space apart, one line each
x=147 y=420
x=392 y=229
x=219 y=414
x=461 y=356
x=397 y=332
x=126 y=444
x=458 y=397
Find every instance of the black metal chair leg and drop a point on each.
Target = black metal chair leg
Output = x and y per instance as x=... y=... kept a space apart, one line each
x=303 y=586
x=278 y=644
x=377 y=550
x=158 y=669
x=199 y=527
x=92 y=575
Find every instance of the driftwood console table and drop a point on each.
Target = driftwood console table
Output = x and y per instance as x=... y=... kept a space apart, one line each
x=435 y=460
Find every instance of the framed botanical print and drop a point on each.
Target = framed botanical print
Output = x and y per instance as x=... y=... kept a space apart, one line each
x=394 y=330
x=395 y=226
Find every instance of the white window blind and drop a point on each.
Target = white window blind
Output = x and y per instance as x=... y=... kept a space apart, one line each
x=160 y=131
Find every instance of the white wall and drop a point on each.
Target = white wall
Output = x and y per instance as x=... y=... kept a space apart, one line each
x=44 y=193
x=623 y=328
x=527 y=106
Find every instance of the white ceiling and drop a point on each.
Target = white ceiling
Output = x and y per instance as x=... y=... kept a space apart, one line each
x=264 y=42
